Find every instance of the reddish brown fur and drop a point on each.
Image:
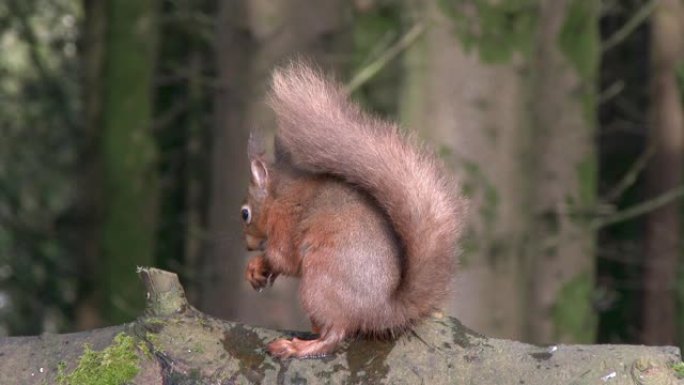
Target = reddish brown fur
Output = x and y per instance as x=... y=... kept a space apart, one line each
x=363 y=214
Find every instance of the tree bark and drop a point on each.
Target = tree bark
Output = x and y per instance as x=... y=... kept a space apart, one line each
x=664 y=172
x=89 y=206
x=563 y=164
x=175 y=343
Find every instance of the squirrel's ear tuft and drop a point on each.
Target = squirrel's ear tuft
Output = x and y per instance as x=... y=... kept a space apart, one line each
x=259 y=173
x=255 y=145
x=282 y=155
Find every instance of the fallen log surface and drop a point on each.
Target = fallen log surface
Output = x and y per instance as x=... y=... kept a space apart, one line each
x=173 y=343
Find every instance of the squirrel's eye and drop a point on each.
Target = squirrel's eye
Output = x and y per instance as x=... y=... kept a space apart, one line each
x=246 y=214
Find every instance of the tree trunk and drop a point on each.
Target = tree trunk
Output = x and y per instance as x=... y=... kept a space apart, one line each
x=255 y=36
x=221 y=264
x=563 y=192
x=196 y=173
x=475 y=109
x=664 y=172
x=478 y=83
x=175 y=344
x=87 y=312
x=128 y=154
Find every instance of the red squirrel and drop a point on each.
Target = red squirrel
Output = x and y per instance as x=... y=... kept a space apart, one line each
x=363 y=214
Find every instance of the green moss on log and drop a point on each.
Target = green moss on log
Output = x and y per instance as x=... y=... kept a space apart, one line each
x=118 y=364
x=679 y=370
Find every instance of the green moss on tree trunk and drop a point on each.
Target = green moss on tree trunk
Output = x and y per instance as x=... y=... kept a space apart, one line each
x=579 y=41
x=496 y=29
x=572 y=314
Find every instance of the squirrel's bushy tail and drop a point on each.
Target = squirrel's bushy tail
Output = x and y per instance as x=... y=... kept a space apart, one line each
x=325 y=132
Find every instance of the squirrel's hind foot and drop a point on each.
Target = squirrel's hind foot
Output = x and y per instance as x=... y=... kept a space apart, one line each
x=296 y=348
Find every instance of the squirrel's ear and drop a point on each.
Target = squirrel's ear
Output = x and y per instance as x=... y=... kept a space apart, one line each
x=259 y=173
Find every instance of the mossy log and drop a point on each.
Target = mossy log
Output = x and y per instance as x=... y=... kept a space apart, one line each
x=173 y=343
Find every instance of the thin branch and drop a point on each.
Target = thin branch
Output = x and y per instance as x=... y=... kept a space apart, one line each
x=639 y=209
x=612 y=91
x=170 y=115
x=632 y=174
x=367 y=73
x=380 y=46
x=630 y=26
x=622 y=216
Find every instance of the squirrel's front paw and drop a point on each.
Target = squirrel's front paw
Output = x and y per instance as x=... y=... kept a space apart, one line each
x=259 y=273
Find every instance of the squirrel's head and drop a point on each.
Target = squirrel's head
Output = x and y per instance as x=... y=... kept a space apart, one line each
x=263 y=182
x=252 y=211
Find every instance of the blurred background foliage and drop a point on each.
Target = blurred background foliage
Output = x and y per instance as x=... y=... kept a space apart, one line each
x=39 y=150
x=123 y=126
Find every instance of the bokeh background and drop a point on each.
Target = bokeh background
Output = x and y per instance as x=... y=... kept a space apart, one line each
x=123 y=129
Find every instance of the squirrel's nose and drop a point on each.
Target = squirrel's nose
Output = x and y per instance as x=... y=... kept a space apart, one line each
x=253 y=243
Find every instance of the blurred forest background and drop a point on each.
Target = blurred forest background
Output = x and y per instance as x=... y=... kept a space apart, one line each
x=123 y=130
